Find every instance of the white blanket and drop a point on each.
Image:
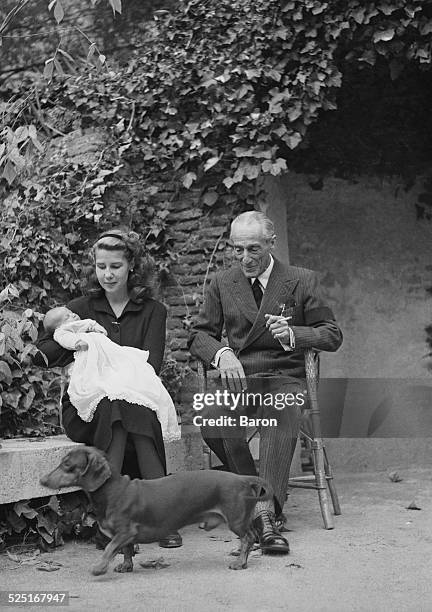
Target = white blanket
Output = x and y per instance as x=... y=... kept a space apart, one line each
x=117 y=372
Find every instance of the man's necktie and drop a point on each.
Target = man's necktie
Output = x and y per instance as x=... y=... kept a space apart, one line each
x=257 y=292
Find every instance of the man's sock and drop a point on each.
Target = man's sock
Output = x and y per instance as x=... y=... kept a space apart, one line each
x=263 y=506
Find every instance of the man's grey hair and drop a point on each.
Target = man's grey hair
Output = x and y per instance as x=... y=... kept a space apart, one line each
x=255 y=216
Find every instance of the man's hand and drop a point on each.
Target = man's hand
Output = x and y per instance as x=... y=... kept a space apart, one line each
x=81 y=346
x=231 y=371
x=278 y=327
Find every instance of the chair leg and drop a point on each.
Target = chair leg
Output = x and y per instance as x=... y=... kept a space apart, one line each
x=321 y=483
x=331 y=485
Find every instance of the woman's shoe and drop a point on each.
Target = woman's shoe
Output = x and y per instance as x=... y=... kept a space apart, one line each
x=171 y=540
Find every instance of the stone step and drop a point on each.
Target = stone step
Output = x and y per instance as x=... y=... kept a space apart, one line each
x=24 y=460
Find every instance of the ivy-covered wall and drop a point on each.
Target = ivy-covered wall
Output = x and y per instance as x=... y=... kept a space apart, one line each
x=215 y=96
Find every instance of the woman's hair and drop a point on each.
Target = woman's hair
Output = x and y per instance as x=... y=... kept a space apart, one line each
x=141 y=272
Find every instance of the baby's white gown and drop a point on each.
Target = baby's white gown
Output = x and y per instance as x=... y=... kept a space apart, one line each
x=107 y=369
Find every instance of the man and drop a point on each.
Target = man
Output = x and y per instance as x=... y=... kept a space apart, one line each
x=271 y=313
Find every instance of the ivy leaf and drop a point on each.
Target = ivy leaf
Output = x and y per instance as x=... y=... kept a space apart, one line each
x=66 y=55
x=210 y=197
x=58 y=66
x=274 y=74
x=252 y=73
x=5 y=372
x=292 y=140
x=426 y=28
x=384 y=35
x=188 y=179
x=91 y=51
x=17 y=522
x=28 y=398
x=21 y=133
x=359 y=15
x=54 y=504
x=294 y=113
x=266 y=165
x=22 y=508
x=58 y=11
x=210 y=163
x=116 y=6
x=49 y=69
x=33 y=135
x=252 y=171
x=9 y=172
x=228 y=182
x=387 y=9
x=278 y=166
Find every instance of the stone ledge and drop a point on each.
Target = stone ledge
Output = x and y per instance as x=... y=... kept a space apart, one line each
x=24 y=460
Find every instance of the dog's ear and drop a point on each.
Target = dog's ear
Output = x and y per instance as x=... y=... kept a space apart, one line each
x=96 y=472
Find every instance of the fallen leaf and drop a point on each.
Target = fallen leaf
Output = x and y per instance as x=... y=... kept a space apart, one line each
x=49 y=566
x=413 y=506
x=158 y=563
x=220 y=538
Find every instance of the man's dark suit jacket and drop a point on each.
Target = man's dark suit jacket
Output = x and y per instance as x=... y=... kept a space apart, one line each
x=230 y=304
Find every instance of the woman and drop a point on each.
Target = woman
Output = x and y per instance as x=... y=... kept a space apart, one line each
x=120 y=301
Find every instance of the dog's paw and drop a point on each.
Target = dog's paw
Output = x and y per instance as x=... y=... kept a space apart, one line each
x=122 y=568
x=99 y=569
x=237 y=565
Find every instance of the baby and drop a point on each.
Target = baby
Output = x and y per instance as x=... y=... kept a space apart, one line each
x=103 y=368
x=57 y=317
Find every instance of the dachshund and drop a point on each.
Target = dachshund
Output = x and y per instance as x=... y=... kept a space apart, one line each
x=141 y=511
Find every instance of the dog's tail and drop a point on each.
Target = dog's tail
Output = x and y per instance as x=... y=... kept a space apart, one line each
x=261 y=489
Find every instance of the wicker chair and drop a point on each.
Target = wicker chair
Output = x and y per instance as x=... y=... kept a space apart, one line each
x=322 y=478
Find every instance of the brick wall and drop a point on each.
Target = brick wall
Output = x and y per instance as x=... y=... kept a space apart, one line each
x=199 y=235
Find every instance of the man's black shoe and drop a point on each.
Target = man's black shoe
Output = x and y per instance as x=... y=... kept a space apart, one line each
x=270 y=540
x=171 y=540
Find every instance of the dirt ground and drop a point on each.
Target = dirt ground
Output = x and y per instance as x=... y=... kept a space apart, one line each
x=378 y=557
